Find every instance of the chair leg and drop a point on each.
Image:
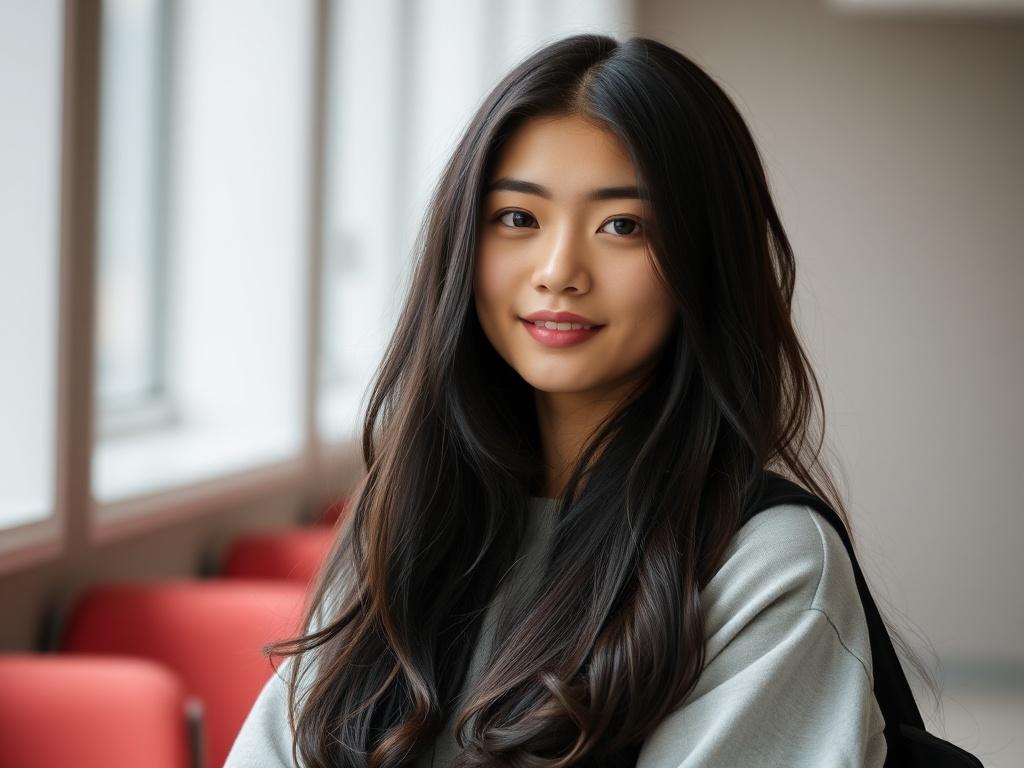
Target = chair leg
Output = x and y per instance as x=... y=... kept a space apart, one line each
x=196 y=731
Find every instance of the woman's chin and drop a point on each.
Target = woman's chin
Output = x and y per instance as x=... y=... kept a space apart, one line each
x=559 y=382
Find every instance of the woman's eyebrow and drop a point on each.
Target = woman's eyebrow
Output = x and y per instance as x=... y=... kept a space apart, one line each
x=530 y=188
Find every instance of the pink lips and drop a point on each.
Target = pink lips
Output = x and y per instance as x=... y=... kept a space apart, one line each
x=555 y=338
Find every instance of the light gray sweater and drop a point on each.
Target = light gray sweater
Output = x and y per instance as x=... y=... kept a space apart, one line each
x=787 y=678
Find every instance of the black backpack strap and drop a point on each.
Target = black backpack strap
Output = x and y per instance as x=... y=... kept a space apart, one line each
x=892 y=691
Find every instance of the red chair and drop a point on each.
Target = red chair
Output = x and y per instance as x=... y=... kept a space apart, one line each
x=294 y=554
x=91 y=712
x=209 y=632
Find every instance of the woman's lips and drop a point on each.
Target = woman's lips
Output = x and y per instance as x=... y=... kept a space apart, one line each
x=550 y=337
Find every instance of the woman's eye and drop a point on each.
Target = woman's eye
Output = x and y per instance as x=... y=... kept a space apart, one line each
x=519 y=219
x=623 y=227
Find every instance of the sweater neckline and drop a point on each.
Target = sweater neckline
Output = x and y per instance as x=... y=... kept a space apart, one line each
x=543 y=503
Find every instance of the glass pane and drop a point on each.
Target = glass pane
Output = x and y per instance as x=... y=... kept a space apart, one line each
x=132 y=139
x=31 y=51
x=235 y=198
x=363 y=217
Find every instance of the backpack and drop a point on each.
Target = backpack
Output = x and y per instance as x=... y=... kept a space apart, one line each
x=908 y=744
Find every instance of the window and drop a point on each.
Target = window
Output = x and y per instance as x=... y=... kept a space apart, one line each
x=212 y=271
x=363 y=217
x=131 y=322
x=131 y=325
x=31 y=59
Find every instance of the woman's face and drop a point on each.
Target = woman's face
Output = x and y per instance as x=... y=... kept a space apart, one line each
x=562 y=231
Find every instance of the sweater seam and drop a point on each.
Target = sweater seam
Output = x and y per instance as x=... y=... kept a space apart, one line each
x=814 y=599
x=847 y=648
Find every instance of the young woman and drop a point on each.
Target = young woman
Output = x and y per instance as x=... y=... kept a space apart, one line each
x=595 y=364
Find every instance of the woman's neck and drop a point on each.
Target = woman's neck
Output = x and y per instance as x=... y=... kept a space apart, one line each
x=566 y=420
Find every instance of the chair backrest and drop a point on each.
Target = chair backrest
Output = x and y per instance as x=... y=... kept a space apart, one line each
x=91 y=712
x=295 y=554
x=211 y=633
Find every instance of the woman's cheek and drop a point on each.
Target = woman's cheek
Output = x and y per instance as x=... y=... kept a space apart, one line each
x=493 y=294
x=645 y=308
x=495 y=271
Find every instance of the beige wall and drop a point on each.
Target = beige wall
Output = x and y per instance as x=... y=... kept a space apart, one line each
x=895 y=149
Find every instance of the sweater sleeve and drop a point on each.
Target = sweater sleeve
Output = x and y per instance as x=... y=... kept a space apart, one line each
x=787 y=678
x=265 y=739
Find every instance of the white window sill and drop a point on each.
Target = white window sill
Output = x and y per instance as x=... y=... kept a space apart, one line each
x=147 y=481
x=119 y=520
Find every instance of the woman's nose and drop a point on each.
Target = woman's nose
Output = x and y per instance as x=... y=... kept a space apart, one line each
x=563 y=263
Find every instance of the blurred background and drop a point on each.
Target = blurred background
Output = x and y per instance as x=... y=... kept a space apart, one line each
x=207 y=215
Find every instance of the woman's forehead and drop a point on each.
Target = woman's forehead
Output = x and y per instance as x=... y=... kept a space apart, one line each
x=570 y=156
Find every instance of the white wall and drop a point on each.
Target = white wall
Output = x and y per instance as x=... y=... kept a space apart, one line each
x=894 y=147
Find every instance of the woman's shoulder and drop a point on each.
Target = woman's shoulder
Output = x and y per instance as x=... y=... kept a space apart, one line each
x=787 y=657
x=790 y=549
x=786 y=560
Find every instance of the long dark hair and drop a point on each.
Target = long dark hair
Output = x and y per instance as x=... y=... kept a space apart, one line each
x=613 y=641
